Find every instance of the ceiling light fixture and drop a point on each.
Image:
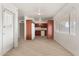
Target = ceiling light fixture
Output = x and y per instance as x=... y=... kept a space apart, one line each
x=39 y=19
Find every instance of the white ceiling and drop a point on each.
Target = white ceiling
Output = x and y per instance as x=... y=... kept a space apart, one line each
x=31 y=9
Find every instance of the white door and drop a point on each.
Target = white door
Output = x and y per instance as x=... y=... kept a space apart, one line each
x=7 y=31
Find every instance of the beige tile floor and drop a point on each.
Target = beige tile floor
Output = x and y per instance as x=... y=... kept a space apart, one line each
x=38 y=47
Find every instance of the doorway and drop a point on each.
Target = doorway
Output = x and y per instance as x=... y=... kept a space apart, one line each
x=40 y=30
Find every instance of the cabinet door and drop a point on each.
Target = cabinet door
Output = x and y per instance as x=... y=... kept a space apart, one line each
x=7 y=31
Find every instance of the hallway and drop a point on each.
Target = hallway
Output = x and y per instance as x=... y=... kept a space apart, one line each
x=38 y=47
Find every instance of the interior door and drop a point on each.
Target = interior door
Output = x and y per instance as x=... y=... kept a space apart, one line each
x=28 y=29
x=7 y=30
x=50 y=29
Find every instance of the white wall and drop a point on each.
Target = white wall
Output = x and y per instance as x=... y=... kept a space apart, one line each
x=14 y=10
x=33 y=31
x=0 y=29
x=68 y=34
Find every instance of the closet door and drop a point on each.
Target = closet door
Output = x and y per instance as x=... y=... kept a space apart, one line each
x=7 y=31
x=73 y=39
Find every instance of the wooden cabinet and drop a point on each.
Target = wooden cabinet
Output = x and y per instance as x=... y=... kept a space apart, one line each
x=41 y=27
x=37 y=33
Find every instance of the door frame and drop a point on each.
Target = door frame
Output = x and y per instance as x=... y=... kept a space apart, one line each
x=3 y=10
